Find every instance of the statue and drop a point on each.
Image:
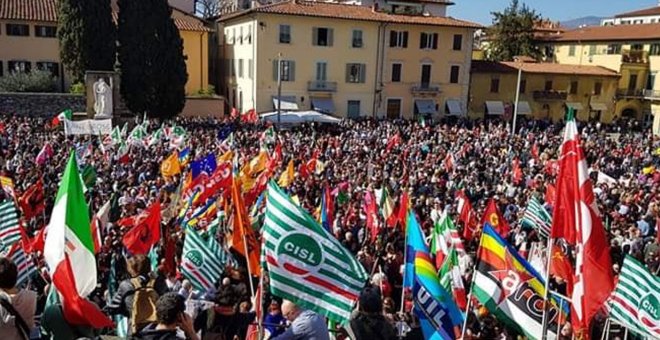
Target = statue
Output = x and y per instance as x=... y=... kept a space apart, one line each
x=102 y=99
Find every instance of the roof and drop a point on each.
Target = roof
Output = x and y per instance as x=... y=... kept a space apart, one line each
x=46 y=10
x=655 y=10
x=481 y=66
x=349 y=12
x=608 y=33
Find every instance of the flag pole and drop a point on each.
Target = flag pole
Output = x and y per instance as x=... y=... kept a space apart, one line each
x=606 y=329
x=405 y=261
x=469 y=297
x=247 y=256
x=548 y=261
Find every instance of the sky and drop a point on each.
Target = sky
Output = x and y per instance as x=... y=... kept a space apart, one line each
x=556 y=10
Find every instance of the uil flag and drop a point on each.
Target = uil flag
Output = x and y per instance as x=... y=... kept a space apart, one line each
x=576 y=219
x=493 y=218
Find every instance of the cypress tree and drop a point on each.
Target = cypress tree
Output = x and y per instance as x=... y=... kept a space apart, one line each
x=70 y=28
x=150 y=53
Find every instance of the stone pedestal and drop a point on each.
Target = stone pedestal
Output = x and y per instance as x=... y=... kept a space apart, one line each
x=111 y=78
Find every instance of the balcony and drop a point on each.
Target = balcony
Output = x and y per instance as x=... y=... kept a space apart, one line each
x=322 y=86
x=652 y=94
x=427 y=88
x=635 y=57
x=630 y=93
x=550 y=95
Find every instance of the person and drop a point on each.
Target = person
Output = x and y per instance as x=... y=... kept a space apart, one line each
x=305 y=324
x=17 y=306
x=274 y=320
x=370 y=322
x=171 y=315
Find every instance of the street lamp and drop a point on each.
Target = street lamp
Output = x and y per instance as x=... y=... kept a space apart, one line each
x=515 y=108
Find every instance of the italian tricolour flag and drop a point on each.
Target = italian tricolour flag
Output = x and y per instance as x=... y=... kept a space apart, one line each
x=69 y=251
x=64 y=115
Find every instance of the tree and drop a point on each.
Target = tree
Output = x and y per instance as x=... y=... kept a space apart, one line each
x=87 y=36
x=151 y=60
x=512 y=33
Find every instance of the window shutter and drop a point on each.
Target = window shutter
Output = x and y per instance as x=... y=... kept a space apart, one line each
x=348 y=73
x=435 y=41
x=275 y=69
x=330 y=30
x=405 y=39
x=363 y=73
x=392 y=38
x=292 y=70
x=315 y=36
x=422 y=40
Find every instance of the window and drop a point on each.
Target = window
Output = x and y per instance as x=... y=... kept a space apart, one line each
x=240 y=35
x=1 y=69
x=321 y=71
x=574 y=87
x=356 y=73
x=18 y=30
x=396 y=72
x=571 y=51
x=654 y=49
x=53 y=68
x=285 y=34
x=232 y=67
x=592 y=49
x=453 y=74
x=523 y=85
x=598 y=88
x=240 y=68
x=45 y=31
x=495 y=85
x=353 y=110
x=250 y=69
x=399 y=39
x=614 y=49
x=548 y=85
x=650 y=80
x=18 y=66
x=287 y=71
x=322 y=36
x=636 y=47
x=458 y=42
x=356 y=42
x=428 y=41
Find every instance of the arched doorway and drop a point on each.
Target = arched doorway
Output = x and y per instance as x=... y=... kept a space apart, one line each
x=629 y=113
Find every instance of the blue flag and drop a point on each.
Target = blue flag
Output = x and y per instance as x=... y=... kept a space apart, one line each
x=184 y=156
x=414 y=243
x=224 y=132
x=436 y=317
x=206 y=164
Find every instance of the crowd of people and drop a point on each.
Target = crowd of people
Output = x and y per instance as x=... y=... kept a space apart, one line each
x=430 y=162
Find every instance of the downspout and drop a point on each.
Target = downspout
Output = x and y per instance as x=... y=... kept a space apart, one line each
x=201 y=61
x=380 y=62
x=254 y=60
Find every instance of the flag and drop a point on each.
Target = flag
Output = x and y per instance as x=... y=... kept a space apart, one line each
x=145 y=233
x=45 y=154
x=402 y=211
x=88 y=175
x=202 y=261
x=156 y=136
x=516 y=172
x=439 y=317
x=69 y=252
x=449 y=162
x=62 y=116
x=24 y=263
x=561 y=266
x=510 y=288
x=635 y=302
x=451 y=280
x=115 y=135
x=286 y=178
x=8 y=186
x=170 y=165
x=393 y=142
x=10 y=230
x=439 y=245
x=493 y=218
x=537 y=218
x=466 y=215
x=550 y=194
x=205 y=165
x=99 y=222
x=414 y=243
x=576 y=219
x=184 y=156
x=138 y=135
x=371 y=211
x=32 y=200
x=385 y=204
x=306 y=264
x=327 y=210
x=123 y=155
x=243 y=238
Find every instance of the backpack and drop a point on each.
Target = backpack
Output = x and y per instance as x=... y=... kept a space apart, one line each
x=144 y=304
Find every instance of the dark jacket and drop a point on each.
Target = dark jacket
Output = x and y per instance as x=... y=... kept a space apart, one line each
x=372 y=327
x=122 y=301
x=151 y=333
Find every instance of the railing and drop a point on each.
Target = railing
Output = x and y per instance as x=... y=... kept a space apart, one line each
x=635 y=57
x=322 y=86
x=425 y=88
x=629 y=93
x=550 y=95
x=652 y=94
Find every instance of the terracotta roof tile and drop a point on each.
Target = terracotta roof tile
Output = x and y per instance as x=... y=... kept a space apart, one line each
x=608 y=33
x=33 y=10
x=350 y=12
x=480 y=66
x=655 y=10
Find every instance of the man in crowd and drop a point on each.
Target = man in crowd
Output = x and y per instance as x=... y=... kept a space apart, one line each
x=305 y=324
x=17 y=306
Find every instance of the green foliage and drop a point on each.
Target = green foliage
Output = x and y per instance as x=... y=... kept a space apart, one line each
x=77 y=88
x=150 y=54
x=34 y=81
x=207 y=92
x=512 y=33
x=87 y=36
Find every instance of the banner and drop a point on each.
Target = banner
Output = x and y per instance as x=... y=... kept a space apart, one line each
x=88 y=127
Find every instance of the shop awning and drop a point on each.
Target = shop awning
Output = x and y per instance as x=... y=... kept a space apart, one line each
x=494 y=107
x=598 y=106
x=425 y=106
x=523 y=108
x=325 y=105
x=574 y=106
x=288 y=103
x=453 y=106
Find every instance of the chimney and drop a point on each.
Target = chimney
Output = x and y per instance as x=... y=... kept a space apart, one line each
x=374 y=7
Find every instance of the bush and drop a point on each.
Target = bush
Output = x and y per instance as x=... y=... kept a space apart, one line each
x=33 y=81
x=77 y=88
x=207 y=92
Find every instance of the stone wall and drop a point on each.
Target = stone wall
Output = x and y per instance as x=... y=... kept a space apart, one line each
x=40 y=104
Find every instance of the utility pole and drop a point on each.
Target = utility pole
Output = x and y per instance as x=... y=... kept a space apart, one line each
x=515 y=108
x=279 y=91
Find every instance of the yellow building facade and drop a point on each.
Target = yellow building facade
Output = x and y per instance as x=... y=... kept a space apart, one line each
x=348 y=60
x=546 y=90
x=631 y=50
x=28 y=40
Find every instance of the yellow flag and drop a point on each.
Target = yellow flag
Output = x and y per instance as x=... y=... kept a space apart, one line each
x=258 y=163
x=170 y=166
x=287 y=176
x=226 y=157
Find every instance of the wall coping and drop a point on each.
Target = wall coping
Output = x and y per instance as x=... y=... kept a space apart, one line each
x=37 y=94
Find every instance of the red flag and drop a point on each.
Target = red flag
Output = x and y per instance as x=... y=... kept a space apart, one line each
x=302 y=170
x=403 y=211
x=329 y=206
x=561 y=267
x=466 y=215
x=76 y=309
x=392 y=142
x=37 y=243
x=576 y=218
x=145 y=233
x=517 y=172
x=493 y=217
x=449 y=162
x=243 y=238
x=371 y=211
x=550 y=194
x=32 y=201
x=535 y=151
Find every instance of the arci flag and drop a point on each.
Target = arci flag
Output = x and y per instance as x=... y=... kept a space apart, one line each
x=635 y=302
x=306 y=264
x=203 y=261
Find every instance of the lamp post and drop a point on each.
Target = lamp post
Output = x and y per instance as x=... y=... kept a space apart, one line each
x=279 y=91
x=515 y=108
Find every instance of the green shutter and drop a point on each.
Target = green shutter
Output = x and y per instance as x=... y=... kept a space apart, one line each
x=275 y=78
x=363 y=73
x=348 y=73
x=330 y=38
x=315 y=35
x=292 y=70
